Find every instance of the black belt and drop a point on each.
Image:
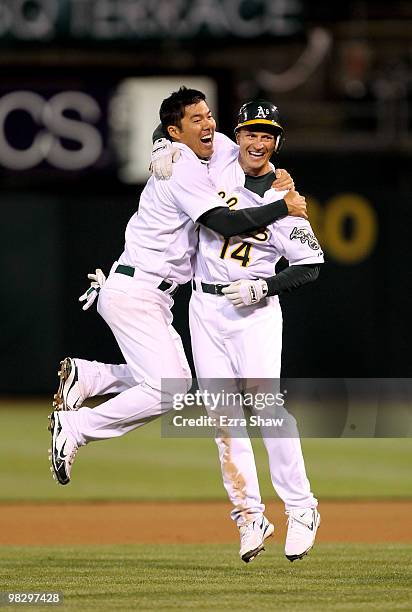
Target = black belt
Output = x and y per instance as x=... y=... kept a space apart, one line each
x=164 y=285
x=208 y=287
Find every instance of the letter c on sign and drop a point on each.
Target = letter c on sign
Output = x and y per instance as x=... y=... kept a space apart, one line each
x=32 y=104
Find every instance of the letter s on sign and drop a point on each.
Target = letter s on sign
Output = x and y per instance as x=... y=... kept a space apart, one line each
x=81 y=131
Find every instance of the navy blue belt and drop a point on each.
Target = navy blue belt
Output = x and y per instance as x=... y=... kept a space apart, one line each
x=165 y=286
x=214 y=289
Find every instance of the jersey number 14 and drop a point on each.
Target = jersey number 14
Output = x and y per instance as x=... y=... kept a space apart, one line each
x=241 y=253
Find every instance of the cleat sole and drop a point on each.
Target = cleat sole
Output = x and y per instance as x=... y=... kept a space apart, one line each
x=252 y=554
x=295 y=557
x=50 y=427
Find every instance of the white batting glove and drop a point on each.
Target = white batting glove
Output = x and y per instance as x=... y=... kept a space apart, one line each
x=98 y=279
x=246 y=292
x=163 y=155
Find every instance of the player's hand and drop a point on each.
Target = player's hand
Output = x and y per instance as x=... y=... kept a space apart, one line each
x=98 y=279
x=246 y=292
x=162 y=157
x=296 y=204
x=283 y=182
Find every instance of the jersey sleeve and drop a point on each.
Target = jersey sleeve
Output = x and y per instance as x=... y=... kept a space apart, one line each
x=191 y=189
x=294 y=238
x=273 y=195
x=225 y=144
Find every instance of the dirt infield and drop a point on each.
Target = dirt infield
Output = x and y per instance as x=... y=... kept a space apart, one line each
x=167 y=523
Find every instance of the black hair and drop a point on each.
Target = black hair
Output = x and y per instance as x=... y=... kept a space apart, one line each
x=172 y=109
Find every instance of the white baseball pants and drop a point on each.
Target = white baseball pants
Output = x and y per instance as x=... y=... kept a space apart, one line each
x=246 y=343
x=140 y=318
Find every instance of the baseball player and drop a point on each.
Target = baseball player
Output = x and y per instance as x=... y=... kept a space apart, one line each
x=245 y=342
x=136 y=300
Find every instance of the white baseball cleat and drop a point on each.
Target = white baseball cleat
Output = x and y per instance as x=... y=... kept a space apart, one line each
x=252 y=538
x=68 y=396
x=303 y=524
x=63 y=450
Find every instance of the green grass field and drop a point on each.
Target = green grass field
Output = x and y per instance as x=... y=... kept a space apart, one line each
x=211 y=577
x=145 y=466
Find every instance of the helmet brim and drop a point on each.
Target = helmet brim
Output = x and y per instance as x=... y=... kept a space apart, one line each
x=261 y=125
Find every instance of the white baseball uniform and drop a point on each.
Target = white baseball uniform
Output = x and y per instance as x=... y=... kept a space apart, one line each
x=246 y=343
x=160 y=243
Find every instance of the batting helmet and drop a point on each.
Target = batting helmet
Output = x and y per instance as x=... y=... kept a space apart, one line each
x=261 y=116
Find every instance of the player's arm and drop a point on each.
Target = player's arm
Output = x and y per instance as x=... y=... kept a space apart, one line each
x=230 y=223
x=291 y=278
x=192 y=191
x=246 y=292
x=234 y=222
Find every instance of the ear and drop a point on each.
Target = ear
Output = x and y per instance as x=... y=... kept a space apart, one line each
x=174 y=132
x=237 y=137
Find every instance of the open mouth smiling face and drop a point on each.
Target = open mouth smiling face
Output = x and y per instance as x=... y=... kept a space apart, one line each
x=198 y=129
x=256 y=149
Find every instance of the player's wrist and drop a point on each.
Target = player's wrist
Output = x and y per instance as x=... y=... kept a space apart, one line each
x=282 y=208
x=264 y=286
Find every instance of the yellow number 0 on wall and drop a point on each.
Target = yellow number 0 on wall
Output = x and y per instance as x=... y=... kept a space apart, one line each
x=329 y=226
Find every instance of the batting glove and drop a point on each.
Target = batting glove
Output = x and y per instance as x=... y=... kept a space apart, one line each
x=98 y=279
x=246 y=292
x=164 y=154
